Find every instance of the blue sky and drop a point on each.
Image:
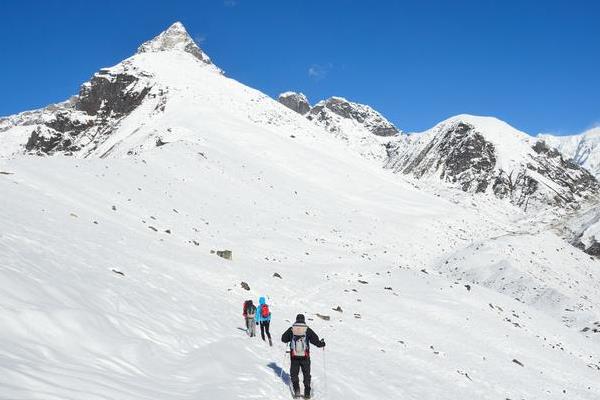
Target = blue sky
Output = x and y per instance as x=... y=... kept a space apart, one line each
x=535 y=64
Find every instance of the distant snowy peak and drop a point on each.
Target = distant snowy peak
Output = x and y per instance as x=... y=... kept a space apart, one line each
x=176 y=38
x=327 y=113
x=486 y=155
x=295 y=101
x=582 y=149
x=86 y=121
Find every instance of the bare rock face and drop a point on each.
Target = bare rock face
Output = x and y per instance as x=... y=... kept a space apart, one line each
x=359 y=126
x=464 y=155
x=88 y=118
x=325 y=111
x=295 y=101
x=111 y=95
x=84 y=122
x=460 y=155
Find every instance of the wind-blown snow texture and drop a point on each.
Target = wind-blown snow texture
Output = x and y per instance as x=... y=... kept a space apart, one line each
x=110 y=291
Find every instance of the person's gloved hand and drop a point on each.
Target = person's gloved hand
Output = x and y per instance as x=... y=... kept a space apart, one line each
x=322 y=342
x=257 y=324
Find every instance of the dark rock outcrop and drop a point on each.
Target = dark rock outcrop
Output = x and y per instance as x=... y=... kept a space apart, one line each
x=324 y=112
x=111 y=95
x=84 y=122
x=295 y=101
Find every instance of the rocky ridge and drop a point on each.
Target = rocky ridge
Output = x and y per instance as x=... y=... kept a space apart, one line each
x=86 y=120
x=485 y=155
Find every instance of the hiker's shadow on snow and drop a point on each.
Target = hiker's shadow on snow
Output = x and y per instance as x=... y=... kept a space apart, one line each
x=285 y=377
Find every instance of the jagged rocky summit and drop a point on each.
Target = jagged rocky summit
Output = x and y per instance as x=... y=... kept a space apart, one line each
x=176 y=38
x=336 y=112
x=358 y=125
x=85 y=121
x=126 y=103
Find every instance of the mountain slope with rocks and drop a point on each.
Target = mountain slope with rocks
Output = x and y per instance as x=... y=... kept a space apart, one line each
x=485 y=155
x=86 y=121
x=112 y=287
x=358 y=125
x=582 y=149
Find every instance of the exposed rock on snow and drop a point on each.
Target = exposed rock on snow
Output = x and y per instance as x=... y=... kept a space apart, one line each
x=226 y=254
x=485 y=155
x=295 y=101
x=323 y=317
x=176 y=38
x=168 y=329
x=582 y=149
x=84 y=122
x=362 y=128
x=332 y=112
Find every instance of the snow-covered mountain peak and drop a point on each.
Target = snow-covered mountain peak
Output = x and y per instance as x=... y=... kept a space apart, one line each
x=175 y=38
x=377 y=124
x=512 y=146
x=487 y=155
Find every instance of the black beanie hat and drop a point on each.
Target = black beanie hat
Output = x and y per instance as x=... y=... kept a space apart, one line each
x=300 y=318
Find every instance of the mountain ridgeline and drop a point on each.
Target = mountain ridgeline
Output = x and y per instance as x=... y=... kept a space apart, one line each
x=85 y=121
x=478 y=155
x=437 y=264
x=475 y=154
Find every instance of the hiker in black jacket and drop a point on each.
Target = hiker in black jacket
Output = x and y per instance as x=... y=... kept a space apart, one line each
x=300 y=337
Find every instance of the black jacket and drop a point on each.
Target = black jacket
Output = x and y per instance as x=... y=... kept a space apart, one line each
x=312 y=337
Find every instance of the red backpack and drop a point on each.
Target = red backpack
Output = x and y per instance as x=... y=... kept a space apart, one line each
x=264 y=311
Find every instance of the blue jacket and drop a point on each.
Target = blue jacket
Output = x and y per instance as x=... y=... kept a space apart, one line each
x=258 y=316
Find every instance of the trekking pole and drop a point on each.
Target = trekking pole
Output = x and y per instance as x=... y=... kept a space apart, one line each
x=325 y=369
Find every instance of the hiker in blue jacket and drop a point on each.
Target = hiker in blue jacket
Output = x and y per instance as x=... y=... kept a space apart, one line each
x=263 y=318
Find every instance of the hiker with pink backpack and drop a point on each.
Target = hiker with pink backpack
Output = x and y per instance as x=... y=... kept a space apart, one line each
x=263 y=318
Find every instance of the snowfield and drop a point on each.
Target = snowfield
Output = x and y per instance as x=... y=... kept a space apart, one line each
x=109 y=288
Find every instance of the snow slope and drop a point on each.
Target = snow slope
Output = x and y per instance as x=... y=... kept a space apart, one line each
x=583 y=149
x=109 y=289
x=73 y=328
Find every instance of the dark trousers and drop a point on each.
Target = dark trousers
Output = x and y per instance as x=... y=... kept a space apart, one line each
x=264 y=328
x=297 y=364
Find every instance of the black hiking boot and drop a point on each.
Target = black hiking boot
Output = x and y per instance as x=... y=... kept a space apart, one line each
x=307 y=395
x=297 y=394
x=270 y=342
